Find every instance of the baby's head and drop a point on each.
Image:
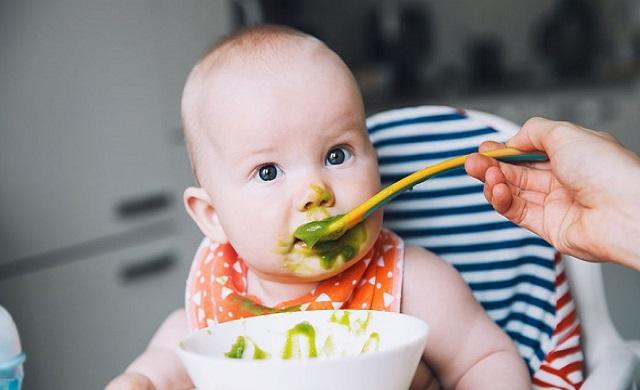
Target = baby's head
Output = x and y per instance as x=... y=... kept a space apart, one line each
x=275 y=128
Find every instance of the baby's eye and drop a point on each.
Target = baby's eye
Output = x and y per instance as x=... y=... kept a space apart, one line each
x=268 y=172
x=337 y=156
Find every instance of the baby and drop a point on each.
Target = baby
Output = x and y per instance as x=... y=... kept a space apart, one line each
x=275 y=128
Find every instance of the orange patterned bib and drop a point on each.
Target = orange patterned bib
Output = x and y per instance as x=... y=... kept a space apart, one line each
x=217 y=285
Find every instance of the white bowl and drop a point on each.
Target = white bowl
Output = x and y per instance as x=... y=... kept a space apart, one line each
x=389 y=361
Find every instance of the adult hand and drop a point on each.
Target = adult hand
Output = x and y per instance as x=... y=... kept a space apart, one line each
x=130 y=381
x=585 y=201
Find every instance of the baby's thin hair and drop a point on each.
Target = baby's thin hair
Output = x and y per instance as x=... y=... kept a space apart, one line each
x=263 y=41
x=258 y=35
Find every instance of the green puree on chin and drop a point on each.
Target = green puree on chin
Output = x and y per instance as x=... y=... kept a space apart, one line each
x=345 y=246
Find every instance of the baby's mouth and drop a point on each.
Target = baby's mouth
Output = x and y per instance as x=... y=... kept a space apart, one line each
x=326 y=255
x=296 y=245
x=303 y=237
x=291 y=244
x=327 y=229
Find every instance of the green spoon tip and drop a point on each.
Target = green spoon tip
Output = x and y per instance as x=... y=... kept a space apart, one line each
x=323 y=230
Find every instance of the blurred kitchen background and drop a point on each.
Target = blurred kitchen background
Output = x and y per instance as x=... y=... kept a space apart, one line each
x=94 y=243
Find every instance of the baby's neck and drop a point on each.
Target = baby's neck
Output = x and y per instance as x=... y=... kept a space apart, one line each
x=272 y=293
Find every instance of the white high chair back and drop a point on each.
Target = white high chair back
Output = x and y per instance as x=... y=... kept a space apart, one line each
x=517 y=277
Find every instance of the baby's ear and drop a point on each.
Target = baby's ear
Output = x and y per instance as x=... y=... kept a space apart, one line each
x=201 y=210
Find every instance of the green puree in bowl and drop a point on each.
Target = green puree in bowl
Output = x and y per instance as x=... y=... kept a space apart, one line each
x=237 y=350
x=358 y=327
x=306 y=333
x=303 y=329
x=291 y=346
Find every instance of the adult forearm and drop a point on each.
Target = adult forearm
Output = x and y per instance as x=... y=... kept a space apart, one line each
x=623 y=246
x=619 y=241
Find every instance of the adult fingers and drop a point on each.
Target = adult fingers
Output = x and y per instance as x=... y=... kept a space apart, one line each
x=528 y=178
x=495 y=177
x=476 y=165
x=487 y=146
x=542 y=135
x=517 y=209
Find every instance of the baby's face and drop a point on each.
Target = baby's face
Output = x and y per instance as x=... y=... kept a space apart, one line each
x=285 y=145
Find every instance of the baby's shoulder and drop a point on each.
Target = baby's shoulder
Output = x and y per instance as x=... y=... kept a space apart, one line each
x=418 y=260
x=427 y=274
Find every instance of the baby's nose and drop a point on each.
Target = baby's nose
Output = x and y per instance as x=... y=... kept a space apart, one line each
x=316 y=196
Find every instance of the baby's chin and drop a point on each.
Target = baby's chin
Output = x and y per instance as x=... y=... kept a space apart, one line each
x=327 y=259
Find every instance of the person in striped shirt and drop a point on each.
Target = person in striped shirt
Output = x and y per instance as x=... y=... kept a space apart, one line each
x=276 y=132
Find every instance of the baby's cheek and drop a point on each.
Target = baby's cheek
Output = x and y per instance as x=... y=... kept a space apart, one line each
x=252 y=237
x=374 y=225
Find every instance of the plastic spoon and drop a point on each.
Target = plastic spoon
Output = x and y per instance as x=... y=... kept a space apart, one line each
x=334 y=227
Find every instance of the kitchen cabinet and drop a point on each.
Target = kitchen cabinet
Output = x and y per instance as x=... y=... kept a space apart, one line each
x=89 y=115
x=81 y=323
x=94 y=242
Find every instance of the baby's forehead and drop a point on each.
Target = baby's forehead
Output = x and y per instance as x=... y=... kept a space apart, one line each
x=226 y=72
x=241 y=89
x=227 y=88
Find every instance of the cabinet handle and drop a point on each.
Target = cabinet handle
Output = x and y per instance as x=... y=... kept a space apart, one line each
x=146 y=204
x=147 y=268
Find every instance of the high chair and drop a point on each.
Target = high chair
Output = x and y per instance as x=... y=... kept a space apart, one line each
x=518 y=278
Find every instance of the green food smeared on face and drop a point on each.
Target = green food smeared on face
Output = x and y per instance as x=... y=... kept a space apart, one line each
x=237 y=349
x=372 y=343
x=328 y=255
x=292 y=345
x=324 y=197
x=345 y=247
x=317 y=231
x=344 y=320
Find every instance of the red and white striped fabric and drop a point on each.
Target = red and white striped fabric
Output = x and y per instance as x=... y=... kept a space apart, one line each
x=563 y=365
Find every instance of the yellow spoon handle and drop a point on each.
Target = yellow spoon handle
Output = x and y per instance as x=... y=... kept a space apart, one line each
x=362 y=211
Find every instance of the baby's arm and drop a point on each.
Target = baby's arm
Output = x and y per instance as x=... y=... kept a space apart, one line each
x=465 y=348
x=159 y=367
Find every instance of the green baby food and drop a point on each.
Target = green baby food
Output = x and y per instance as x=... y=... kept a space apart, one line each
x=306 y=333
x=238 y=348
x=344 y=320
x=313 y=232
x=292 y=346
x=346 y=247
x=257 y=309
x=372 y=343
x=325 y=197
x=361 y=326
